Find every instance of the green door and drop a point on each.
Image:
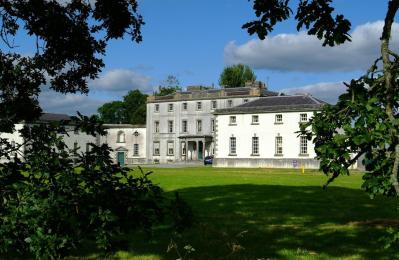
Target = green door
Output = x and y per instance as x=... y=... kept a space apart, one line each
x=121 y=158
x=200 y=148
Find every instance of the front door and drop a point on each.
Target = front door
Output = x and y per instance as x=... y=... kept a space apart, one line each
x=121 y=158
x=200 y=150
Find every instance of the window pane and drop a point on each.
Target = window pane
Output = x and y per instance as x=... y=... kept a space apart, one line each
x=233 y=145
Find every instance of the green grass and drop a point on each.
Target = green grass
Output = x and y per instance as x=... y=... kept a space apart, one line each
x=264 y=213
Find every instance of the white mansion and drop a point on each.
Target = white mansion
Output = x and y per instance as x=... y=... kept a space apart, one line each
x=241 y=127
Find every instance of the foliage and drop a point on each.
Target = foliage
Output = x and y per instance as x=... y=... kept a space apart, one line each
x=236 y=75
x=364 y=122
x=51 y=202
x=132 y=110
x=169 y=86
x=52 y=198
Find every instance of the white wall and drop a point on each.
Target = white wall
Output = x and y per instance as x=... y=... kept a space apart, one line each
x=266 y=130
x=16 y=137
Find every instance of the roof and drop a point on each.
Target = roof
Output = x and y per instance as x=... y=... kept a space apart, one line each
x=123 y=126
x=276 y=104
x=49 y=117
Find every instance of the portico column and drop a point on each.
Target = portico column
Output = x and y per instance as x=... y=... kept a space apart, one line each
x=186 y=147
x=197 y=149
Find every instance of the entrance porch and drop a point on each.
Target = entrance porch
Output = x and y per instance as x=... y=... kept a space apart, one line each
x=195 y=148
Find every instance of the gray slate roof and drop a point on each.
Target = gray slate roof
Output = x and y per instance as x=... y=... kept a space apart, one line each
x=276 y=104
x=48 y=117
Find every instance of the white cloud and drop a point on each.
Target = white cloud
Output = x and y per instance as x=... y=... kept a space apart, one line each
x=326 y=91
x=301 y=52
x=121 y=80
x=53 y=102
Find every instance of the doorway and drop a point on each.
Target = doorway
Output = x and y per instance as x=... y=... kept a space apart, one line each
x=121 y=158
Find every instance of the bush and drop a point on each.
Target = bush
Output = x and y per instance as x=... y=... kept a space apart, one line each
x=51 y=203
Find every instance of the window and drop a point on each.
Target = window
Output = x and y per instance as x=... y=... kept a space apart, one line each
x=303 y=118
x=279 y=119
x=156 y=148
x=156 y=126
x=303 y=145
x=279 y=145
x=184 y=126
x=170 y=126
x=184 y=106
x=135 y=149
x=212 y=125
x=121 y=137
x=233 y=146
x=229 y=103
x=233 y=120
x=170 y=147
x=156 y=108
x=170 y=107
x=255 y=145
x=199 y=126
x=183 y=148
x=214 y=104
x=199 y=105
x=255 y=119
x=246 y=100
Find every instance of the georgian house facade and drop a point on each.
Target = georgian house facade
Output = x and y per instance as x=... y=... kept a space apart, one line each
x=263 y=133
x=181 y=127
x=128 y=143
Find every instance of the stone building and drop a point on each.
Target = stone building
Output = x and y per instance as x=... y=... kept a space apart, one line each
x=128 y=143
x=181 y=126
x=263 y=133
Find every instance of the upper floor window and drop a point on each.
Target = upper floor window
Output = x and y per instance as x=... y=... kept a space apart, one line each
x=156 y=108
x=233 y=145
x=199 y=126
x=279 y=145
x=135 y=149
x=229 y=103
x=170 y=126
x=279 y=119
x=199 y=105
x=233 y=120
x=213 y=104
x=303 y=117
x=121 y=137
x=303 y=145
x=255 y=145
x=255 y=119
x=170 y=107
x=156 y=126
x=184 y=126
x=185 y=106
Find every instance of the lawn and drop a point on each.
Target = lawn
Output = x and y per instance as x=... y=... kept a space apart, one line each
x=264 y=213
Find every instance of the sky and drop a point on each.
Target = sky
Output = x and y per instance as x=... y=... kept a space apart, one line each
x=194 y=40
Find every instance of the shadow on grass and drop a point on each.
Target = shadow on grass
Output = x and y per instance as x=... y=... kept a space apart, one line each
x=271 y=221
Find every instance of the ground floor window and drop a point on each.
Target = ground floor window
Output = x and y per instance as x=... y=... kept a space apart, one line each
x=303 y=145
x=156 y=148
x=183 y=148
x=279 y=145
x=170 y=148
x=233 y=145
x=135 y=149
x=255 y=145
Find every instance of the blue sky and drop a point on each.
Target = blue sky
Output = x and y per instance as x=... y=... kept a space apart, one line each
x=195 y=39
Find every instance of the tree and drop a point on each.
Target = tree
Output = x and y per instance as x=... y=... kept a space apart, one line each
x=236 y=76
x=132 y=110
x=365 y=121
x=51 y=202
x=136 y=107
x=113 y=112
x=168 y=86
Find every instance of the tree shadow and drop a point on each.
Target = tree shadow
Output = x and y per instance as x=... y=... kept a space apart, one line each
x=272 y=221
